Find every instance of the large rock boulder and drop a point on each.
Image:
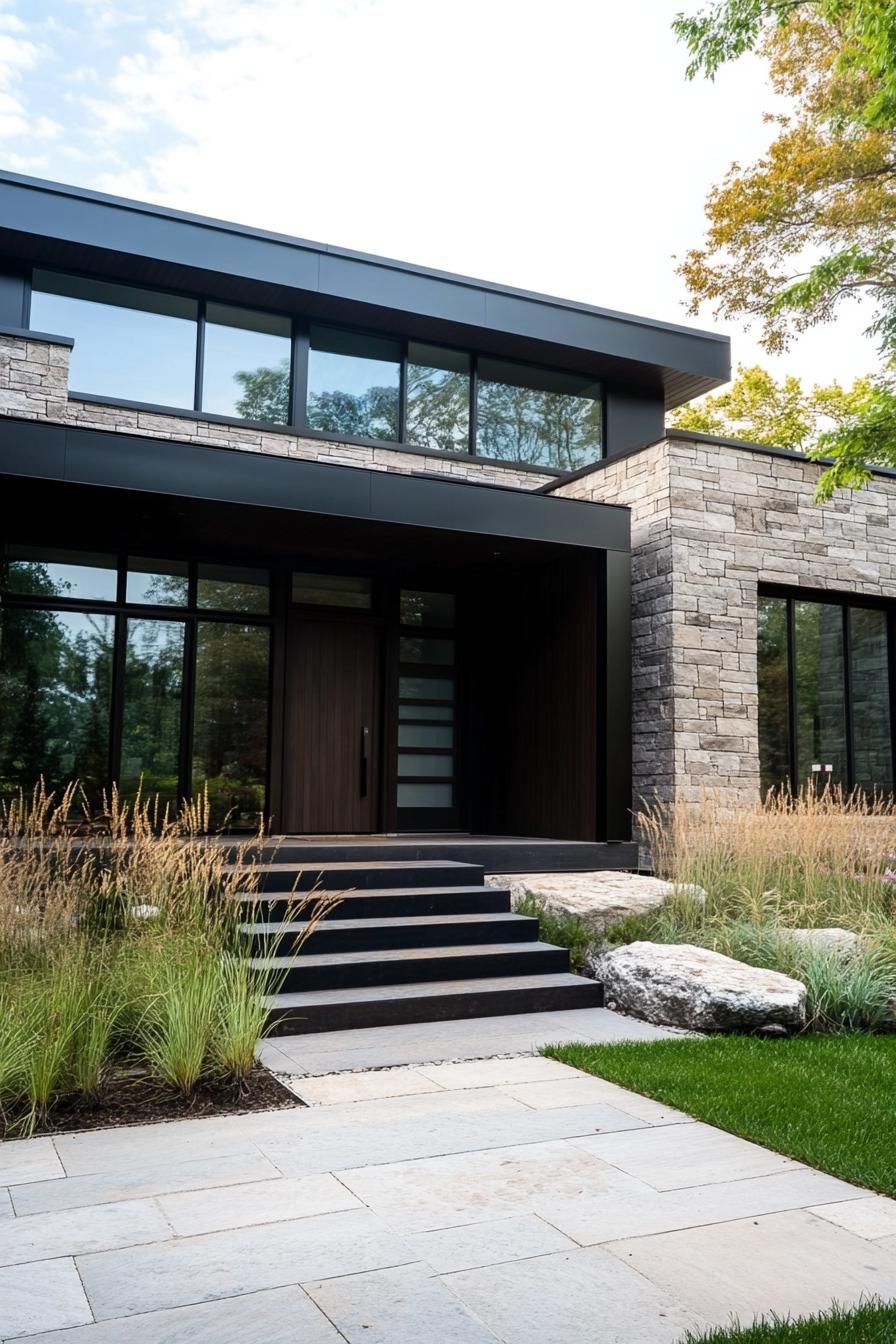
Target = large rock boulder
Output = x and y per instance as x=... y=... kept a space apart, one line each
x=679 y=985
x=843 y=942
x=599 y=899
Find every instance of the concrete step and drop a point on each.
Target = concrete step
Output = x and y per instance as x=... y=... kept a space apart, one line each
x=384 y=903
x=437 y=1001
x=397 y=966
x=367 y=934
x=354 y=876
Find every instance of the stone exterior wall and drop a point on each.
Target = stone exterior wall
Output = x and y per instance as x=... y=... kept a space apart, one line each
x=710 y=522
x=34 y=386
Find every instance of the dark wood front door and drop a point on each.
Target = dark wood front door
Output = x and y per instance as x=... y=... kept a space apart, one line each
x=331 y=768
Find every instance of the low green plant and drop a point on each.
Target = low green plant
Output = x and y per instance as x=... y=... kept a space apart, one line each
x=872 y=1322
x=559 y=929
x=176 y=1029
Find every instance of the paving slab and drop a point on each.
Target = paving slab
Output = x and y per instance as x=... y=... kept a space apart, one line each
x=671 y=1157
x=871 y=1217
x=226 y=1264
x=132 y=1180
x=340 y=1087
x=475 y=1186
x=390 y=1306
x=495 y=1072
x=198 y=1211
x=23 y=1160
x=45 y=1293
x=472 y=1245
x=580 y=1090
x=572 y=1296
x=279 y=1316
x=786 y=1262
x=101 y=1227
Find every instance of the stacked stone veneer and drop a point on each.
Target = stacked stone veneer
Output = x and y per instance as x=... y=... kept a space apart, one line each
x=34 y=377
x=710 y=522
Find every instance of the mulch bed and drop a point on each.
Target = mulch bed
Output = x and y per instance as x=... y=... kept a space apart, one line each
x=135 y=1099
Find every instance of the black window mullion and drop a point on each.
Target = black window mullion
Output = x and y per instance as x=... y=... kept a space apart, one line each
x=793 y=745
x=474 y=401
x=200 y=356
x=298 y=404
x=403 y=395
x=847 y=698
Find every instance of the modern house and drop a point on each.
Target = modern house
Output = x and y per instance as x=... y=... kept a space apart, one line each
x=372 y=550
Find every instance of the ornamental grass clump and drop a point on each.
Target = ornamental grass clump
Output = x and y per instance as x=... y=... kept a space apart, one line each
x=120 y=953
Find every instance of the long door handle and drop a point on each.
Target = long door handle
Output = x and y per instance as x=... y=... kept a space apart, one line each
x=365 y=759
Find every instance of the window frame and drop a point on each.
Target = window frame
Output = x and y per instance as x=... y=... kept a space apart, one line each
x=844 y=600
x=190 y=615
x=300 y=344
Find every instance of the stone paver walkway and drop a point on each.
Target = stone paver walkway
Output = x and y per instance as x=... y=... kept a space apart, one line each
x=511 y=1200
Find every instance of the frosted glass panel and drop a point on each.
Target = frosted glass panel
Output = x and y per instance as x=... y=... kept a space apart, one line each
x=425 y=795
x=425 y=712
x=418 y=608
x=414 y=650
x=414 y=764
x=425 y=735
x=426 y=688
x=332 y=590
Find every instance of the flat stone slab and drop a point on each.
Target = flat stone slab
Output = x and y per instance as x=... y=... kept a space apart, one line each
x=599 y=899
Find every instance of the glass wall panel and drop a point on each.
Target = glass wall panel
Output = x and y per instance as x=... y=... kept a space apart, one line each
x=157 y=583
x=246 y=364
x=426 y=712
x=55 y=690
x=539 y=416
x=425 y=688
x=774 y=714
x=153 y=681
x=415 y=650
x=820 y=692
x=232 y=588
x=425 y=735
x=353 y=384
x=438 y=398
x=413 y=764
x=425 y=795
x=131 y=343
x=332 y=590
x=870 y=687
x=230 y=720
x=418 y=608
x=41 y=571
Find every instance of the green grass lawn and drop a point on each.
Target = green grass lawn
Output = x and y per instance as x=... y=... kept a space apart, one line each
x=825 y=1100
x=872 y=1323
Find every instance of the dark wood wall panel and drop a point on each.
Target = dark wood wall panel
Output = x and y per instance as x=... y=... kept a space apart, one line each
x=532 y=702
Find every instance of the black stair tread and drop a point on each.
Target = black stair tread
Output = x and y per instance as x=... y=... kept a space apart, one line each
x=364 y=866
x=373 y=893
x=393 y=922
x=306 y=961
x=429 y=989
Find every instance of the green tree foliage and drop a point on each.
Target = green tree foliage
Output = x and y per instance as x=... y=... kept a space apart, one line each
x=812 y=224
x=759 y=409
x=265 y=394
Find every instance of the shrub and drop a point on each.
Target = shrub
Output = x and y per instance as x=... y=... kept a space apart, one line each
x=559 y=929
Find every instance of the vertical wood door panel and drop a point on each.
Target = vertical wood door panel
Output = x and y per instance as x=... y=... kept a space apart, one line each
x=333 y=692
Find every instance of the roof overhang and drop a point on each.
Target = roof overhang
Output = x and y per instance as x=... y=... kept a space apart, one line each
x=50 y=224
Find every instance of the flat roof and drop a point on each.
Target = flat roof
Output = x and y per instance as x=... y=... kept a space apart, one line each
x=53 y=224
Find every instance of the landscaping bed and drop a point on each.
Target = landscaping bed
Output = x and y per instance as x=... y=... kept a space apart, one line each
x=827 y=1101
x=870 y=1323
x=139 y=1099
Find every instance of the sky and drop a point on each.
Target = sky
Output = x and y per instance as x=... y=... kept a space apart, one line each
x=550 y=144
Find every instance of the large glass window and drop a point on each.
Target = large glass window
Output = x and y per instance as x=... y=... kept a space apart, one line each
x=96 y=695
x=55 y=692
x=137 y=344
x=353 y=384
x=438 y=398
x=246 y=363
x=153 y=681
x=539 y=416
x=824 y=668
x=230 y=720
